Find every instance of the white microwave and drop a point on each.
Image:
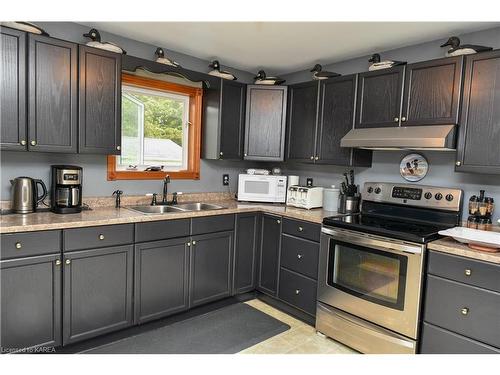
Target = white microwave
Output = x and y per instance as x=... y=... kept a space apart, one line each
x=262 y=188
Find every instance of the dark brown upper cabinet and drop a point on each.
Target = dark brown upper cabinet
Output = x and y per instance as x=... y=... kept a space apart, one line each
x=223 y=120
x=479 y=138
x=338 y=105
x=52 y=94
x=13 y=89
x=99 y=99
x=379 y=98
x=320 y=113
x=432 y=92
x=302 y=120
x=265 y=122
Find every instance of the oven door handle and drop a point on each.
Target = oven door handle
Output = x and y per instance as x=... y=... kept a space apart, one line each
x=373 y=241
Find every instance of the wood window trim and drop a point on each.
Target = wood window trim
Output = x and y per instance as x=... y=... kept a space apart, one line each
x=194 y=132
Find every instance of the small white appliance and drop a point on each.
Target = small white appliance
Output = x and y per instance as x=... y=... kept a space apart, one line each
x=305 y=197
x=262 y=188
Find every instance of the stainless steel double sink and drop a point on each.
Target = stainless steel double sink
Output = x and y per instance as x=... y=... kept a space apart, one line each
x=179 y=208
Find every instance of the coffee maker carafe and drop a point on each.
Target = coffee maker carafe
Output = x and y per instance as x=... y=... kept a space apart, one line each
x=66 y=189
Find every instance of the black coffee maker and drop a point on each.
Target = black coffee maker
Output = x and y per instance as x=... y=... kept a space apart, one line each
x=66 y=189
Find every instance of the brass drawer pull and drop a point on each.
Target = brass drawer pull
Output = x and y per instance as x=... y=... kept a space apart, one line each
x=465 y=311
x=68 y=261
x=101 y=237
x=301 y=229
x=194 y=242
x=278 y=221
x=18 y=245
x=297 y=291
x=58 y=262
x=468 y=272
x=188 y=244
x=299 y=256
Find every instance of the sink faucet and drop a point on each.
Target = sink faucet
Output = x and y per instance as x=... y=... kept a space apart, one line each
x=166 y=181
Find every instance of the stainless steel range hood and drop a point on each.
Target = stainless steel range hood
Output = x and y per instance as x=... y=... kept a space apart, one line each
x=432 y=137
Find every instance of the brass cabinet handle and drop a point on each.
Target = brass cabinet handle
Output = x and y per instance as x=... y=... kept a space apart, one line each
x=396 y=119
x=188 y=244
x=299 y=256
x=278 y=221
x=245 y=155
x=297 y=291
x=468 y=272
x=101 y=237
x=194 y=242
x=301 y=229
x=33 y=143
x=221 y=153
x=68 y=261
x=403 y=119
x=23 y=142
x=465 y=311
x=316 y=158
x=458 y=163
x=118 y=148
x=312 y=157
x=58 y=262
x=18 y=245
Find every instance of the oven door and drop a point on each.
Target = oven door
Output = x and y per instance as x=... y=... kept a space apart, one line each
x=372 y=277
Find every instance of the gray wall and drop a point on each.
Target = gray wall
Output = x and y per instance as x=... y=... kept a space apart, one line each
x=385 y=164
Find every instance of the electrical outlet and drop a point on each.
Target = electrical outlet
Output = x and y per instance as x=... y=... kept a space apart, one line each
x=225 y=179
x=309 y=182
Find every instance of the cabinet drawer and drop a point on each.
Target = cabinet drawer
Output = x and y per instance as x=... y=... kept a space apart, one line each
x=161 y=230
x=302 y=229
x=468 y=271
x=300 y=255
x=467 y=310
x=436 y=340
x=103 y=236
x=210 y=224
x=298 y=291
x=17 y=245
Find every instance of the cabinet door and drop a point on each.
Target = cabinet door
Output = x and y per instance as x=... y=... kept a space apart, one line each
x=432 y=92
x=379 y=98
x=99 y=101
x=338 y=98
x=97 y=295
x=13 y=89
x=30 y=302
x=52 y=95
x=232 y=117
x=269 y=254
x=245 y=252
x=210 y=270
x=302 y=120
x=265 y=123
x=479 y=137
x=161 y=278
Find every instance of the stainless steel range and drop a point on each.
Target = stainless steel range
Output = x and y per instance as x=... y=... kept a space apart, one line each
x=371 y=265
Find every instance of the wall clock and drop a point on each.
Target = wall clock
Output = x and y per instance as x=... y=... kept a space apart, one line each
x=413 y=167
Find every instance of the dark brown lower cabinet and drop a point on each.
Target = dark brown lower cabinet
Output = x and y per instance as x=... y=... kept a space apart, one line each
x=269 y=254
x=245 y=252
x=210 y=267
x=161 y=279
x=97 y=295
x=30 y=302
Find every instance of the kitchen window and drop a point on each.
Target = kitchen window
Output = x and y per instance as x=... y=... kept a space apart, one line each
x=161 y=131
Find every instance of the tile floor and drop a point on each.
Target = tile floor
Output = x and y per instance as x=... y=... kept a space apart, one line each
x=301 y=338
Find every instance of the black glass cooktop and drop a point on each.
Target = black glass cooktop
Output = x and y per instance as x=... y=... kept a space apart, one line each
x=398 y=228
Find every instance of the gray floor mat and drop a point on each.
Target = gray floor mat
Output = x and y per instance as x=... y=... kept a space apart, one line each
x=224 y=331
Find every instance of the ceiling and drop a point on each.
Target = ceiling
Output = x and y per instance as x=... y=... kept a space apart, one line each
x=283 y=47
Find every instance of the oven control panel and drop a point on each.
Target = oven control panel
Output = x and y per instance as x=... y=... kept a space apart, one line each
x=413 y=195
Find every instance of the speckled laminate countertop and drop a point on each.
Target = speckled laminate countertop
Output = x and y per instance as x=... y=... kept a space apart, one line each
x=450 y=246
x=109 y=215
